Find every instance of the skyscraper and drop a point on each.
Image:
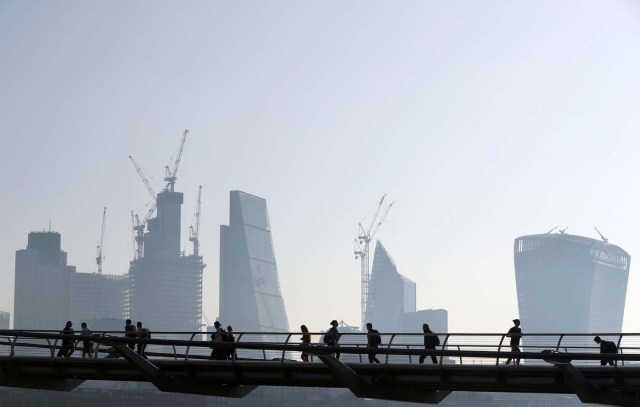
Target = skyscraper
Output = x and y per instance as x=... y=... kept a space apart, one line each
x=568 y=283
x=42 y=291
x=5 y=319
x=391 y=294
x=250 y=297
x=166 y=286
x=391 y=306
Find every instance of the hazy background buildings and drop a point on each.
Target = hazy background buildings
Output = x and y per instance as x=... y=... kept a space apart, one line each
x=250 y=297
x=483 y=120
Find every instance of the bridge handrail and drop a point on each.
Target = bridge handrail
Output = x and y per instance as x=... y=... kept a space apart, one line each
x=466 y=345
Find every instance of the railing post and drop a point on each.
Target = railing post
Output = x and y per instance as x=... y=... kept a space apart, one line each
x=284 y=350
x=409 y=355
x=499 y=349
x=618 y=346
x=12 y=352
x=559 y=341
x=446 y=339
x=386 y=362
x=186 y=355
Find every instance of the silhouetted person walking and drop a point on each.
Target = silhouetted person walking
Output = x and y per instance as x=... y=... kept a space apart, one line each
x=218 y=336
x=229 y=338
x=332 y=336
x=515 y=333
x=306 y=342
x=431 y=340
x=130 y=332
x=143 y=333
x=67 y=345
x=87 y=344
x=373 y=340
x=606 y=347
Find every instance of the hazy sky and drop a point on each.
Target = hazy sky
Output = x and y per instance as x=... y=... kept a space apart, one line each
x=483 y=121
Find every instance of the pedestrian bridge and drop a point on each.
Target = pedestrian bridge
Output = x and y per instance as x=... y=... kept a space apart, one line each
x=180 y=362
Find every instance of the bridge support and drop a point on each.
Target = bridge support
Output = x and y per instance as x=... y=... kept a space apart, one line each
x=377 y=389
x=167 y=383
x=588 y=393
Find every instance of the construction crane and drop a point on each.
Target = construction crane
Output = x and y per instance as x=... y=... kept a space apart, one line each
x=194 y=230
x=170 y=176
x=549 y=232
x=138 y=226
x=361 y=250
x=604 y=239
x=143 y=178
x=99 y=256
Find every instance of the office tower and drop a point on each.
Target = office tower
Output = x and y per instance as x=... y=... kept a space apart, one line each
x=165 y=285
x=568 y=283
x=391 y=294
x=391 y=306
x=250 y=297
x=42 y=292
x=5 y=320
x=96 y=297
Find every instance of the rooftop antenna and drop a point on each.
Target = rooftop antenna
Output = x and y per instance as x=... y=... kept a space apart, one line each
x=604 y=239
x=561 y=231
x=549 y=232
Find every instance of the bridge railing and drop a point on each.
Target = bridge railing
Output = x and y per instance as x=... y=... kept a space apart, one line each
x=454 y=348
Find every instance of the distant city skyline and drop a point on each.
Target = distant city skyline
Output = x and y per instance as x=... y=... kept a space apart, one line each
x=483 y=121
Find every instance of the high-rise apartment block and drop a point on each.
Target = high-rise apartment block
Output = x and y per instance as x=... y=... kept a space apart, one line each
x=391 y=305
x=570 y=283
x=166 y=286
x=5 y=320
x=42 y=292
x=250 y=296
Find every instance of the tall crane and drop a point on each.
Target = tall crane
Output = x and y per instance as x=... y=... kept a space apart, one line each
x=99 y=256
x=138 y=226
x=194 y=230
x=171 y=175
x=361 y=250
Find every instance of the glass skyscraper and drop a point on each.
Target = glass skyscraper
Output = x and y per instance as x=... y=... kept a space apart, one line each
x=568 y=283
x=250 y=297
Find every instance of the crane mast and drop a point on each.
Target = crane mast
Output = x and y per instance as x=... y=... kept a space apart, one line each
x=361 y=251
x=171 y=175
x=99 y=256
x=194 y=230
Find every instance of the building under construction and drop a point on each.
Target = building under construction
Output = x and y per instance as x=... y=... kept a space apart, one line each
x=165 y=285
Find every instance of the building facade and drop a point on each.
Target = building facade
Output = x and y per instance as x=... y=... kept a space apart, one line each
x=42 y=290
x=569 y=283
x=250 y=297
x=391 y=295
x=5 y=320
x=99 y=296
x=391 y=306
x=165 y=285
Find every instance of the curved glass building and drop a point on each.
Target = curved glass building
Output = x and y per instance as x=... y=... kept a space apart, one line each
x=570 y=284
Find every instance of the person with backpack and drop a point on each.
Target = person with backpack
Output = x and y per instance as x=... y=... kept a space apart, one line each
x=68 y=344
x=431 y=340
x=87 y=343
x=306 y=342
x=606 y=347
x=218 y=336
x=373 y=340
x=143 y=333
x=332 y=336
